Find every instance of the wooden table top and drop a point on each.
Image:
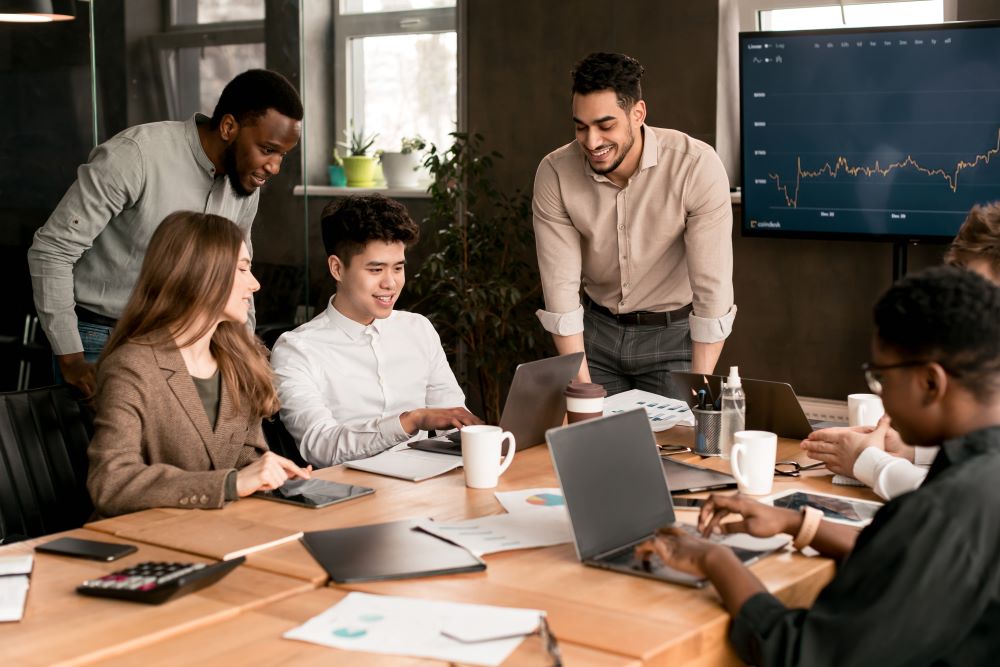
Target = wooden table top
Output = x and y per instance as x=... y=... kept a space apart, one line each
x=600 y=617
x=60 y=626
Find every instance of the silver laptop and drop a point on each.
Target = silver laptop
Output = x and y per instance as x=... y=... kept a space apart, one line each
x=616 y=493
x=771 y=406
x=535 y=403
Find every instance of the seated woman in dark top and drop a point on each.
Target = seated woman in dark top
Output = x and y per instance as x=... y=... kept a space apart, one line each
x=920 y=585
x=182 y=383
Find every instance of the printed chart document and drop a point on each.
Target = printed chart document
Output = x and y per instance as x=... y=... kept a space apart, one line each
x=421 y=628
x=505 y=532
x=14 y=582
x=405 y=463
x=663 y=412
x=526 y=500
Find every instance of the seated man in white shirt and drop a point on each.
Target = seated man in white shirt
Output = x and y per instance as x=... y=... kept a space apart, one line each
x=877 y=456
x=361 y=377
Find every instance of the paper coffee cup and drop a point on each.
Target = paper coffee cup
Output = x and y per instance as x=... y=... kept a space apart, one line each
x=584 y=400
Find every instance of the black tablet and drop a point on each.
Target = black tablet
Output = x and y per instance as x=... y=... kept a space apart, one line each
x=314 y=493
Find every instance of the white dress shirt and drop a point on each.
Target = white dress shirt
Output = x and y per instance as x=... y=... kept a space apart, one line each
x=891 y=476
x=343 y=385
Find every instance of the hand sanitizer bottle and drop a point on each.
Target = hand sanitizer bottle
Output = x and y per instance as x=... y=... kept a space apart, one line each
x=733 y=411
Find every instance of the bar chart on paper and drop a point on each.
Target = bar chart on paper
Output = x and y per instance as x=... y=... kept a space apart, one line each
x=888 y=133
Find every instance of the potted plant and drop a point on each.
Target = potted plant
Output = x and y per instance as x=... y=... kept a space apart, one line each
x=335 y=170
x=478 y=285
x=400 y=168
x=359 y=167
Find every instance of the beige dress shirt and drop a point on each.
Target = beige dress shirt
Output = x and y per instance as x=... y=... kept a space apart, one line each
x=661 y=242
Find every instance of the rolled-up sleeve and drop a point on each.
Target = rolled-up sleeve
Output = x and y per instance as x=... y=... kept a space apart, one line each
x=110 y=182
x=557 y=243
x=708 y=244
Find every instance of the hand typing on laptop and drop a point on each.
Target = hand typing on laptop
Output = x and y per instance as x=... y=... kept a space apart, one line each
x=437 y=419
x=701 y=557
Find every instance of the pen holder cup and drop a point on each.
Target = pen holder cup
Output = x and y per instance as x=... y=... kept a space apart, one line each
x=707 y=428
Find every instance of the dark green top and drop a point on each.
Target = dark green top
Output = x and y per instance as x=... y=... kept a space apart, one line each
x=210 y=393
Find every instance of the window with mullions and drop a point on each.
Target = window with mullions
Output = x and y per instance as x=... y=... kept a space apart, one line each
x=208 y=42
x=396 y=69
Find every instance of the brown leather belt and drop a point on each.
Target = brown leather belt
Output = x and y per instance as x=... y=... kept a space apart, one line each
x=639 y=317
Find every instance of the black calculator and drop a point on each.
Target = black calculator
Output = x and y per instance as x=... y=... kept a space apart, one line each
x=155 y=583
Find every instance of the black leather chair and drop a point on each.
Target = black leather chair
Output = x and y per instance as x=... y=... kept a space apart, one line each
x=281 y=441
x=44 y=435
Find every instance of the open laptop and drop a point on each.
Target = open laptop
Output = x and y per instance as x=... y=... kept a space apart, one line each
x=535 y=403
x=771 y=406
x=617 y=495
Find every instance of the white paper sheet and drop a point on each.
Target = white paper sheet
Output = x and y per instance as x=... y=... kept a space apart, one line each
x=414 y=627
x=505 y=532
x=531 y=499
x=14 y=583
x=411 y=464
x=663 y=412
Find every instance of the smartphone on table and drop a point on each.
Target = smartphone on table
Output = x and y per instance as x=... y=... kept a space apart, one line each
x=78 y=548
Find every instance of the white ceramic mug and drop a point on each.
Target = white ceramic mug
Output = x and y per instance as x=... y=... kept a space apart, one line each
x=864 y=409
x=481 y=447
x=753 y=458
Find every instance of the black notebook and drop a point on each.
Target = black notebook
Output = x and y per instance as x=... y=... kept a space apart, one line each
x=381 y=551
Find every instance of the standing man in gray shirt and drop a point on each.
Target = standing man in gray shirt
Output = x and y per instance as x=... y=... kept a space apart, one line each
x=86 y=258
x=642 y=217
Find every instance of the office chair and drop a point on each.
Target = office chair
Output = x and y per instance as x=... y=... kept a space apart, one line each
x=281 y=441
x=44 y=435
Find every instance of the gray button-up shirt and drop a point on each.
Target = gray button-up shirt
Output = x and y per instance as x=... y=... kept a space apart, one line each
x=91 y=248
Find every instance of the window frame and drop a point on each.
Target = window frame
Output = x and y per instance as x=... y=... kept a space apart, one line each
x=183 y=32
x=749 y=11
x=347 y=62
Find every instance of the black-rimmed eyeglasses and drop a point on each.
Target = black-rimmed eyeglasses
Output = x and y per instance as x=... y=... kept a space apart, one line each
x=873 y=372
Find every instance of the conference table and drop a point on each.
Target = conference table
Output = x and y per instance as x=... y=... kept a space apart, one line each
x=599 y=617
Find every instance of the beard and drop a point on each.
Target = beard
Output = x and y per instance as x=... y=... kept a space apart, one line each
x=232 y=173
x=618 y=161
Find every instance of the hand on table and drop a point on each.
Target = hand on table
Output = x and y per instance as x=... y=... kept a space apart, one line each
x=840 y=447
x=436 y=419
x=267 y=473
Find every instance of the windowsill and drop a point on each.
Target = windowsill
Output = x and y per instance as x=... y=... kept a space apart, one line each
x=332 y=191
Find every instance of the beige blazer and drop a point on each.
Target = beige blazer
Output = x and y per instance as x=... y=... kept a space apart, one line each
x=153 y=445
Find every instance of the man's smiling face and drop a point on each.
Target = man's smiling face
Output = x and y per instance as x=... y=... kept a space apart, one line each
x=605 y=130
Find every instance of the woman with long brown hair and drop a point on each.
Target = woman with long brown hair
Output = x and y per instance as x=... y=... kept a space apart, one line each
x=182 y=383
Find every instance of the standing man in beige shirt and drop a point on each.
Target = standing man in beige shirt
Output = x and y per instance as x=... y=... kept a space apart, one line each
x=642 y=216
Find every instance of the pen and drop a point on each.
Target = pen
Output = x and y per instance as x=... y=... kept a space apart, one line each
x=708 y=388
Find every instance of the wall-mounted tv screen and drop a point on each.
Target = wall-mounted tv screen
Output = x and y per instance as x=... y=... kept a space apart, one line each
x=879 y=133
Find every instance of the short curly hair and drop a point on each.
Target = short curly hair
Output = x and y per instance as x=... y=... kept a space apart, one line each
x=609 y=71
x=351 y=223
x=250 y=94
x=948 y=315
x=978 y=238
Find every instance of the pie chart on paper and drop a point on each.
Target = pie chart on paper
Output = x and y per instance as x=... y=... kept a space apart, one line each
x=545 y=500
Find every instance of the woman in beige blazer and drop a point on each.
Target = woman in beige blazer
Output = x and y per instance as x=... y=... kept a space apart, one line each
x=182 y=383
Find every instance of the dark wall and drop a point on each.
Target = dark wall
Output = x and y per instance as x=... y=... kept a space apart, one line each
x=520 y=53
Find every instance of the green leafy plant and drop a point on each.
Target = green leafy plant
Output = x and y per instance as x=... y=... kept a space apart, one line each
x=357 y=142
x=477 y=285
x=336 y=159
x=410 y=144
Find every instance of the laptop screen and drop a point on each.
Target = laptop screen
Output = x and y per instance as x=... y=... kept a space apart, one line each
x=611 y=477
